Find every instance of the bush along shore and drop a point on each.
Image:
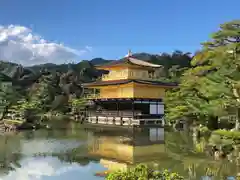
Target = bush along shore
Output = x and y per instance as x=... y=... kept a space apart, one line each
x=143 y=172
x=140 y=171
x=19 y=118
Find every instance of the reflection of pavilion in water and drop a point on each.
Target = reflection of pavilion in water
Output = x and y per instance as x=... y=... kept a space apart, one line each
x=153 y=147
x=121 y=151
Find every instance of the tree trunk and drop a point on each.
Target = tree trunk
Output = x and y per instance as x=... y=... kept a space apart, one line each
x=213 y=123
x=237 y=96
x=5 y=111
x=195 y=133
x=237 y=119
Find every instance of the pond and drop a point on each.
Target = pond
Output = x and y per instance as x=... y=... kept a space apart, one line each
x=76 y=153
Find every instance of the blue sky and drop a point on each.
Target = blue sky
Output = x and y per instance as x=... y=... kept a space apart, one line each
x=113 y=27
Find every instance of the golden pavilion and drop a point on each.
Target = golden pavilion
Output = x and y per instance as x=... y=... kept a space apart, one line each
x=131 y=94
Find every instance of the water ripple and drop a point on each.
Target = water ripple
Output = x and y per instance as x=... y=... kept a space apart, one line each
x=48 y=146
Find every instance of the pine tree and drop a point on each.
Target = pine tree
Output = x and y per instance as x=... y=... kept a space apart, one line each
x=211 y=87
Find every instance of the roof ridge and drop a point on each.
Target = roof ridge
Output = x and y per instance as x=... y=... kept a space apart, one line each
x=131 y=59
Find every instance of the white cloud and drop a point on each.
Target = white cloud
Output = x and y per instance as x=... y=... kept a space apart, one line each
x=40 y=168
x=20 y=45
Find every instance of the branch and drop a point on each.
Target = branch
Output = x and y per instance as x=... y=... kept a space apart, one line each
x=236 y=94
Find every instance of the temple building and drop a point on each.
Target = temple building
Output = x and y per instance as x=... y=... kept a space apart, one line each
x=131 y=94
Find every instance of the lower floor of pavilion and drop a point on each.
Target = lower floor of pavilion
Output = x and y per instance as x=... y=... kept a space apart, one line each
x=126 y=112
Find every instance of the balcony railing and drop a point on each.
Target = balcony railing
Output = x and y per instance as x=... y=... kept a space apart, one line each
x=120 y=113
x=92 y=96
x=130 y=75
x=124 y=113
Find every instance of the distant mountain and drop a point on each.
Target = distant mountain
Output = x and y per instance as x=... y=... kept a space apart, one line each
x=143 y=56
x=77 y=66
x=98 y=61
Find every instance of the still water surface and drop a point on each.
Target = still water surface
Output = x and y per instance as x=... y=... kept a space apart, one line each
x=74 y=153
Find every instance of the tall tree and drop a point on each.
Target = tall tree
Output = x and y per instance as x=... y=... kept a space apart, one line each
x=15 y=84
x=8 y=96
x=210 y=88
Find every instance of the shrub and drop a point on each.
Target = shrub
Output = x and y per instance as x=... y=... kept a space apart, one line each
x=234 y=135
x=143 y=172
x=225 y=139
x=204 y=131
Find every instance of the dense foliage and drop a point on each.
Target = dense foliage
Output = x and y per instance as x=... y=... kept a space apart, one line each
x=209 y=89
x=143 y=172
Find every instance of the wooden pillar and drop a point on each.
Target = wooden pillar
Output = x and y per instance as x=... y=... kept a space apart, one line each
x=132 y=111
x=94 y=92
x=120 y=113
x=132 y=108
x=117 y=115
x=117 y=107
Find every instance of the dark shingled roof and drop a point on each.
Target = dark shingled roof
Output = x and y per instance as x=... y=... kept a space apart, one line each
x=130 y=60
x=126 y=81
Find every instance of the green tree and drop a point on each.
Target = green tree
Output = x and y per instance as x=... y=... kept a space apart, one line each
x=8 y=97
x=211 y=86
x=14 y=85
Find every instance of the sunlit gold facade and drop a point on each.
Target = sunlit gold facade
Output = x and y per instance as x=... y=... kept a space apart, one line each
x=149 y=87
x=131 y=73
x=131 y=90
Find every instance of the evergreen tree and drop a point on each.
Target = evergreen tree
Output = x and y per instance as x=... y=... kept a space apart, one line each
x=211 y=86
